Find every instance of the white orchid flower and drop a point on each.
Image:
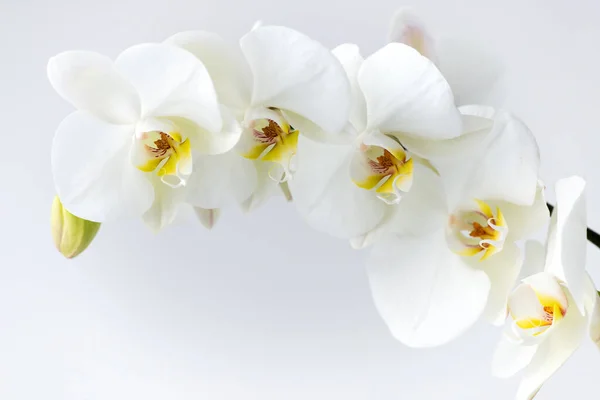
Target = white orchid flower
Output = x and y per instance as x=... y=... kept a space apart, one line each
x=281 y=85
x=473 y=73
x=127 y=150
x=430 y=287
x=551 y=311
x=402 y=114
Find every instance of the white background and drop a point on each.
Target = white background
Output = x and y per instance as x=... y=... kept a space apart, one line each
x=262 y=307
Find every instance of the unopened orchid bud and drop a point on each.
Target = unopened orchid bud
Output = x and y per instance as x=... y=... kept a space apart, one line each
x=72 y=235
x=208 y=217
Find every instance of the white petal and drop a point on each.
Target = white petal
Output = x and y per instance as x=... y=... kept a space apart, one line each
x=552 y=353
x=425 y=293
x=326 y=196
x=221 y=180
x=91 y=83
x=267 y=185
x=567 y=240
x=296 y=73
x=524 y=221
x=535 y=258
x=503 y=270
x=508 y=169
x=380 y=230
x=94 y=177
x=314 y=132
x=405 y=93
x=592 y=309
x=351 y=59
x=208 y=216
x=475 y=132
x=171 y=83
x=225 y=64
x=407 y=28
x=165 y=206
x=207 y=142
x=511 y=357
x=423 y=209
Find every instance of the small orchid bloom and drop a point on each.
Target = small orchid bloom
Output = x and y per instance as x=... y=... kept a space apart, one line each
x=402 y=114
x=473 y=74
x=468 y=264
x=281 y=85
x=551 y=311
x=127 y=150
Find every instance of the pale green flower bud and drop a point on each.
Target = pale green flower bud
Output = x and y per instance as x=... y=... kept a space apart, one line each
x=72 y=235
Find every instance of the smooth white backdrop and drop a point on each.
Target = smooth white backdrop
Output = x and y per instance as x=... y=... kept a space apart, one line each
x=261 y=307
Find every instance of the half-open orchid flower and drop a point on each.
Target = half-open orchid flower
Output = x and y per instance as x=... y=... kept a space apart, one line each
x=473 y=73
x=467 y=266
x=552 y=311
x=403 y=114
x=127 y=150
x=281 y=85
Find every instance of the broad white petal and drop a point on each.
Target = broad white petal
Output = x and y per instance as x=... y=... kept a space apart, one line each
x=552 y=353
x=405 y=93
x=379 y=231
x=311 y=130
x=225 y=64
x=94 y=177
x=509 y=168
x=206 y=142
x=351 y=59
x=567 y=241
x=472 y=141
x=407 y=28
x=91 y=83
x=208 y=217
x=326 y=196
x=503 y=270
x=171 y=83
x=535 y=258
x=268 y=177
x=425 y=293
x=221 y=180
x=524 y=221
x=165 y=206
x=511 y=357
x=423 y=209
x=295 y=73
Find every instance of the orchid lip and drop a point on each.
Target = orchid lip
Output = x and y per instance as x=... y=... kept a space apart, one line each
x=383 y=166
x=165 y=153
x=478 y=231
x=269 y=137
x=535 y=308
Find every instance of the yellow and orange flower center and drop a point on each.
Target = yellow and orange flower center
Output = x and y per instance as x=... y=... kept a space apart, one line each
x=551 y=312
x=271 y=140
x=478 y=232
x=388 y=172
x=167 y=154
